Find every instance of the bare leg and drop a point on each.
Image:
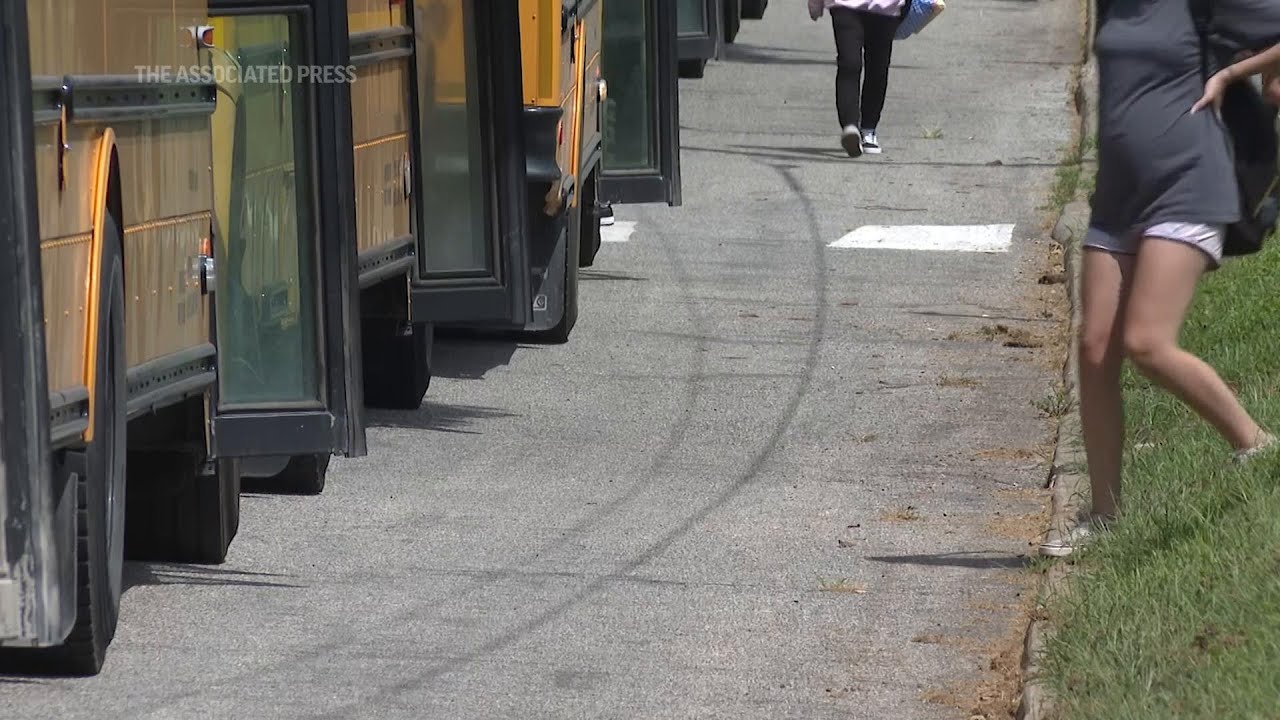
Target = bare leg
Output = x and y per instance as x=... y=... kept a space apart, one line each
x=1164 y=282
x=1104 y=286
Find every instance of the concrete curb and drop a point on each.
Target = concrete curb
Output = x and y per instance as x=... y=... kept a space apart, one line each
x=1068 y=480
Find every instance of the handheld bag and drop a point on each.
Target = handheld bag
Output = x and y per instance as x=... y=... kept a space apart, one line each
x=918 y=14
x=1250 y=125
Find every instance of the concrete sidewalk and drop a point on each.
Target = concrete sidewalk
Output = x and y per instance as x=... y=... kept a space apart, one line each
x=767 y=478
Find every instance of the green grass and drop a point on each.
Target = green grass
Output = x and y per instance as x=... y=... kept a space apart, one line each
x=1176 y=613
x=1066 y=183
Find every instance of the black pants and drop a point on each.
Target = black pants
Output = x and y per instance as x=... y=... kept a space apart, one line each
x=862 y=40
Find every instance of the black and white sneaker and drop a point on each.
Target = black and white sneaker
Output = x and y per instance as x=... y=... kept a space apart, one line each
x=870 y=143
x=851 y=141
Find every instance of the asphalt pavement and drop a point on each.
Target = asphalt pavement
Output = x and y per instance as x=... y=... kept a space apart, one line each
x=767 y=478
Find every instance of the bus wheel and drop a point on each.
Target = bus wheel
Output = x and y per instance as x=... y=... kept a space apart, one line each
x=589 y=221
x=100 y=487
x=692 y=69
x=754 y=9
x=397 y=363
x=181 y=507
x=304 y=475
x=732 y=20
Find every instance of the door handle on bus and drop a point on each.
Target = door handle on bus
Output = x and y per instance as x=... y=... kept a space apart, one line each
x=208 y=273
x=204 y=272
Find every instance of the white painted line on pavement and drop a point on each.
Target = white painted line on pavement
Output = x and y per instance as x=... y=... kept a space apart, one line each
x=620 y=231
x=948 y=238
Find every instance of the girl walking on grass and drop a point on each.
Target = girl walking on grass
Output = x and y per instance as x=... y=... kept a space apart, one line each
x=1166 y=191
x=864 y=41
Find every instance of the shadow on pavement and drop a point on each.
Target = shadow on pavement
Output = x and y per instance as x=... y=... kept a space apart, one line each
x=757 y=55
x=469 y=354
x=137 y=574
x=434 y=416
x=23 y=666
x=603 y=275
x=833 y=154
x=834 y=151
x=971 y=560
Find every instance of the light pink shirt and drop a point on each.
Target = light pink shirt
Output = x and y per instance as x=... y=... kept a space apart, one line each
x=879 y=7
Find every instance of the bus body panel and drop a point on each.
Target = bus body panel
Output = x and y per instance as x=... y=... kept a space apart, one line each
x=380 y=130
x=570 y=104
x=167 y=193
x=365 y=15
x=66 y=228
x=165 y=184
x=589 y=128
x=380 y=124
x=560 y=48
x=540 y=44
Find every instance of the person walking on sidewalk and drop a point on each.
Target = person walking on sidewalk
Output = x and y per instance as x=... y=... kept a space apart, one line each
x=1165 y=192
x=864 y=41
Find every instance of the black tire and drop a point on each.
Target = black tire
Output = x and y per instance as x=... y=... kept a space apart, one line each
x=397 y=366
x=222 y=519
x=692 y=69
x=754 y=9
x=182 y=509
x=732 y=20
x=100 y=491
x=304 y=475
x=589 y=221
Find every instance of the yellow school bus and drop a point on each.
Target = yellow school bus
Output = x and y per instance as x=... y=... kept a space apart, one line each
x=317 y=185
x=287 y=304
x=373 y=41
x=560 y=45
x=151 y=396
x=475 y=157
x=396 y=349
x=118 y=170
x=571 y=125
x=479 y=170
x=577 y=146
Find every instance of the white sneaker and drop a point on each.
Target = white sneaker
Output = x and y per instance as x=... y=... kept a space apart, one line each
x=870 y=143
x=1075 y=538
x=1266 y=443
x=851 y=140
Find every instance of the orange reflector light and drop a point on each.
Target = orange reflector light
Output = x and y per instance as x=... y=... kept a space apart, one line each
x=201 y=35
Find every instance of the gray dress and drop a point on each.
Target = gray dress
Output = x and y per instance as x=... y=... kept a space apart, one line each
x=1158 y=163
